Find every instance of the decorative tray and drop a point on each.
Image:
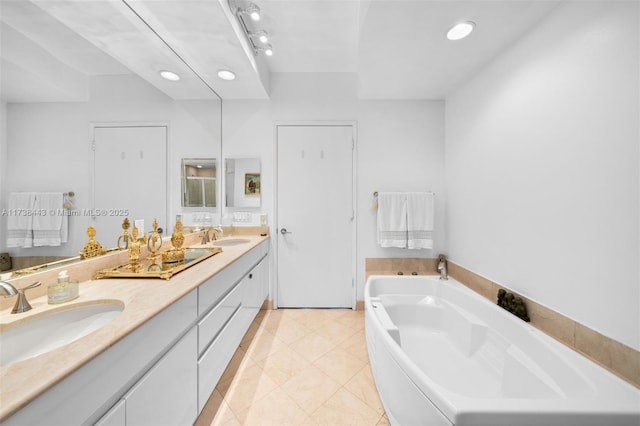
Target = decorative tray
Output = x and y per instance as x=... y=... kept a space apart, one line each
x=152 y=266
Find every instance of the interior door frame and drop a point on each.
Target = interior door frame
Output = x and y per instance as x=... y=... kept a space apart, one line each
x=354 y=185
x=119 y=124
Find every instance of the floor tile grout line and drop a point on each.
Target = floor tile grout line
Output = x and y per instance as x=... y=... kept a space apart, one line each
x=250 y=349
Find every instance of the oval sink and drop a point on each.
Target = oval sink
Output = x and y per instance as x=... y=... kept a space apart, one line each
x=50 y=331
x=230 y=242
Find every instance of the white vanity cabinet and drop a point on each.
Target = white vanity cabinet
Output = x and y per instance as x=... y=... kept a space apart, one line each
x=117 y=416
x=224 y=324
x=164 y=371
x=166 y=394
x=91 y=390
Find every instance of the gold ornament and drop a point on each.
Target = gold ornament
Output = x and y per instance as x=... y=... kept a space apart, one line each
x=123 y=239
x=154 y=243
x=92 y=248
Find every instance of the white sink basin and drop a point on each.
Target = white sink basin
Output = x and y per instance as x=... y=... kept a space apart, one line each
x=230 y=242
x=50 y=331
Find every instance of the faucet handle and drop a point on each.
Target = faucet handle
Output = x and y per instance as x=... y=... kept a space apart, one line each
x=22 y=304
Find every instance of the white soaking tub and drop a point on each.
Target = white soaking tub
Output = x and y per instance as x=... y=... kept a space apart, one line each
x=443 y=355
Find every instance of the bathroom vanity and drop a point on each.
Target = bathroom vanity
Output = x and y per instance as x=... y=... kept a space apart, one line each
x=158 y=361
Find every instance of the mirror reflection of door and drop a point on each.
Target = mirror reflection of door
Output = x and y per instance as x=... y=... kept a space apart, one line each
x=198 y=182
x=130 y=179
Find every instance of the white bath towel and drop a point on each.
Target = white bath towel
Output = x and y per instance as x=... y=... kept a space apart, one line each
x=49 y=227
x=420 y=212
x=20 y=219
x=392 y=219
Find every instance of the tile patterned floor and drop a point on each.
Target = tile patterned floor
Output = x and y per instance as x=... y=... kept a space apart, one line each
x=298 y=367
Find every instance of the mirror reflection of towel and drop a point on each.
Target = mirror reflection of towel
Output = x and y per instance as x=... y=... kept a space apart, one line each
x=20 y=219
x=49 y=228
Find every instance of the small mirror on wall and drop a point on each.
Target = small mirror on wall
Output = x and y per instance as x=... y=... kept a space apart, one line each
x=243 y=184
x=199 y=182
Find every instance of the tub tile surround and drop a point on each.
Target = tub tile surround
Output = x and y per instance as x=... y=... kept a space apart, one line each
x=25 y=380
x=392 y=266
x=616 y=357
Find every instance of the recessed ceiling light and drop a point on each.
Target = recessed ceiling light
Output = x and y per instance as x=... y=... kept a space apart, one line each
x=226 y=75
x=172 y=76
x=460 y=30
x=269 y=50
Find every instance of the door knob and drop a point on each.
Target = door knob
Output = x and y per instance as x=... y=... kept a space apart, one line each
x=284 y=231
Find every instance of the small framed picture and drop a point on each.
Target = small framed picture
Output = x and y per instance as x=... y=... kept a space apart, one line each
x=252 y=184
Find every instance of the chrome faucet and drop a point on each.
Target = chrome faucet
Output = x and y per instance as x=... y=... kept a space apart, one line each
x=442 y=267
x=205 y=236
x=7 y=289
x=211 y=234
x=22 y=304
x=220 y=232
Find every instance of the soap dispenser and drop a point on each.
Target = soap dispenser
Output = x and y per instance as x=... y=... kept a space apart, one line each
x=64 y=290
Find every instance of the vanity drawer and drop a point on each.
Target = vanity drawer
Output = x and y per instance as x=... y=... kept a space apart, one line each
x=214 y=321
x=215 y=359
x=212 y=290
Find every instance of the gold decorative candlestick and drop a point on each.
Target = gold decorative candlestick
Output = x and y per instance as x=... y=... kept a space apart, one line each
x=154 y=243
x=177 y=238
x=92 y=248
x=176 y=254
x=123 y=239
x=134 y=249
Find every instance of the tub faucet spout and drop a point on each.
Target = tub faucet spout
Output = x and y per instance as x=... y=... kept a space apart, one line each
x=442 y=267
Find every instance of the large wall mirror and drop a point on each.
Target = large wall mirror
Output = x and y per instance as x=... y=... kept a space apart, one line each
x=61 y=96
x=243 y=183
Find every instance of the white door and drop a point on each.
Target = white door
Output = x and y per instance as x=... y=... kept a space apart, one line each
x=316 y=216
x=130 y=179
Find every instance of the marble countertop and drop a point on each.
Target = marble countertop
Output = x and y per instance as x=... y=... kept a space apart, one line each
x=23 y=381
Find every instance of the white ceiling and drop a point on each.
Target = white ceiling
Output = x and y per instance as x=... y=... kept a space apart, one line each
x=397 y=48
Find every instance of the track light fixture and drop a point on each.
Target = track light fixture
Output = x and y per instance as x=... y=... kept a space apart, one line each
x=261 y=35
x=258 y=38
x=252 y=10
x=268 y=50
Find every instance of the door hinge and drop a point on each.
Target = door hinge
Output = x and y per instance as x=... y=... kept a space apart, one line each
x=93 y=145
x=353 y=144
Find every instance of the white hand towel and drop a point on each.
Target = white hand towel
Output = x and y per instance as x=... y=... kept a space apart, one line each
x=48 y=226
x=392 y=219
x=420 y=208
x=20 y=219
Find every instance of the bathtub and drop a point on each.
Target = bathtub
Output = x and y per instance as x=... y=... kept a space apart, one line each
x=443 y=355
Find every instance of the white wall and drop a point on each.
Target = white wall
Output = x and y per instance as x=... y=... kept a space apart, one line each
x=400 y=146
x=3 y=170
x=542 y=167
x=48 y=145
